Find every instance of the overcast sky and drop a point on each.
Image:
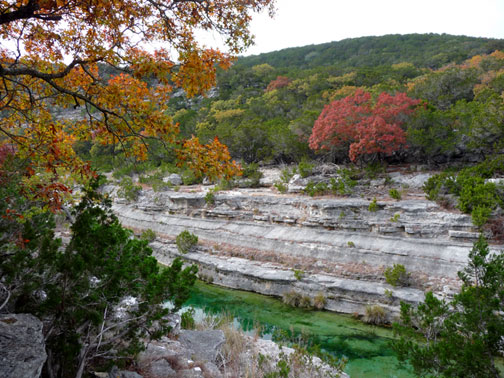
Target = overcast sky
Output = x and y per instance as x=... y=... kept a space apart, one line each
x=305 y=22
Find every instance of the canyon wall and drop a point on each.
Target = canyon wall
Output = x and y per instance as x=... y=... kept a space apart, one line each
x=270 y=243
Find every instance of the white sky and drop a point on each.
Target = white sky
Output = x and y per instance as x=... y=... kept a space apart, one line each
x=305 y=22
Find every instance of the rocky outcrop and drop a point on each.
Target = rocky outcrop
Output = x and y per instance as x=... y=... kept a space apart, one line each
x=22 y=347
x=194 y=354
x=254 y=239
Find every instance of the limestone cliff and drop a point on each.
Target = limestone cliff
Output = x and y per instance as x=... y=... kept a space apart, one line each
x=255 y=239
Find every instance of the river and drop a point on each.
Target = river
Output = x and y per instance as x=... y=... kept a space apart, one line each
x=366 y=347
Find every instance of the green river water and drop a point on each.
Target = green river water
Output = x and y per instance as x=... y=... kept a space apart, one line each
x=366 y=347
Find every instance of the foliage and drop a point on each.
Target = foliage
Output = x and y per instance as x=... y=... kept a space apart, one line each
x=319 y=301
x=362 y=128
x=313 y=188
x=280 y=186
x=211 y=160
x=148 y=235
x=351 y=244
x=344 y=183
x=395 y=194
x=285 y=176
x=116 y=62
x=397 y=275
x=253 y=175
x=395 y=218
x=210 y=198
x=422 y=50
x=373 y=205
x=128 y=189
x=100 y=296
x=305 y=168
x=279 y=82
x=186 y=241
x=298 y=274
x=292 y=298
x=375 y=315
x=475 y=195
x=460 y=338
x=187 y=319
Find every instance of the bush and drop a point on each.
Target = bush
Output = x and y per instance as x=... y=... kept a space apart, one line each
x=298 y=274
x=189 y=178
x=373 y=206
x=252 y=174
x=187 y=319
x=185 y=241
x=129 y=190
x=319 y=301
x=375 y=315
x=210 y=198
x=395 y=218
x=397 y=275
x=285 y=177
x=280 y=186
x=305 y=302
x=475 y=196
x=395 y=194
x=148 y=235
x=480 y=215
x=313 y=189
x=305 y=168
x=292 y=298
x=345 y=182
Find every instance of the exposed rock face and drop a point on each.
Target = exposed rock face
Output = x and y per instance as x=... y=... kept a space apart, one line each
x=192 y=355
x=253 y=239
x=22 y=348
x=204 y=344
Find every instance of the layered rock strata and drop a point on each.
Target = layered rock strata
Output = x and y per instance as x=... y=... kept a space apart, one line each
x=254 y=239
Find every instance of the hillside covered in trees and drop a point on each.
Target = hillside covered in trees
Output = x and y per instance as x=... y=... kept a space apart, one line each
x=264 y=107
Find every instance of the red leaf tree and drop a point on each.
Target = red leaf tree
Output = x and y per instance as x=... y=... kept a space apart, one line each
x=365 y=128
x=279 y=82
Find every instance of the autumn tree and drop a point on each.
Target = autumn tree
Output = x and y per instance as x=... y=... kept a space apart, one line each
x=210 y=160
x=52 y=53
x=361 y=127
x=279 y=82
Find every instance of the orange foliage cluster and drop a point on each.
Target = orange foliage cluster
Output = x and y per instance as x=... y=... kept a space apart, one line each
x=53 y=52
x=210 y=160
x=365 y=127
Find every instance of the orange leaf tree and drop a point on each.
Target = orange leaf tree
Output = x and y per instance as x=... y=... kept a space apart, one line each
x=210 y=160
x=363 y=128
x=52 y=52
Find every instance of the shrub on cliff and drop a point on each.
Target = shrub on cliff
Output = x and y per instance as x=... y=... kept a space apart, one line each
x=185 y=241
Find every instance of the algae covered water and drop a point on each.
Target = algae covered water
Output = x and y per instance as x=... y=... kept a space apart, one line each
x=366 y=347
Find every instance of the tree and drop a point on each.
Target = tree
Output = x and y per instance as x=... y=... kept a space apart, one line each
x=362 y=128
x=53 y=53
x=279 y=82
x=100 y=297
x=210 y=160
x=460 y=338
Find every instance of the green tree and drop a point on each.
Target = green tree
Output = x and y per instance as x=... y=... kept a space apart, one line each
x=81 y=291
x=459 y=338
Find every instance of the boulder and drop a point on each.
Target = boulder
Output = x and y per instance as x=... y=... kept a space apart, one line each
x=22 y=347
x=173 y=179
x=116 y=373
x=205 y=345
x=162 y=369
